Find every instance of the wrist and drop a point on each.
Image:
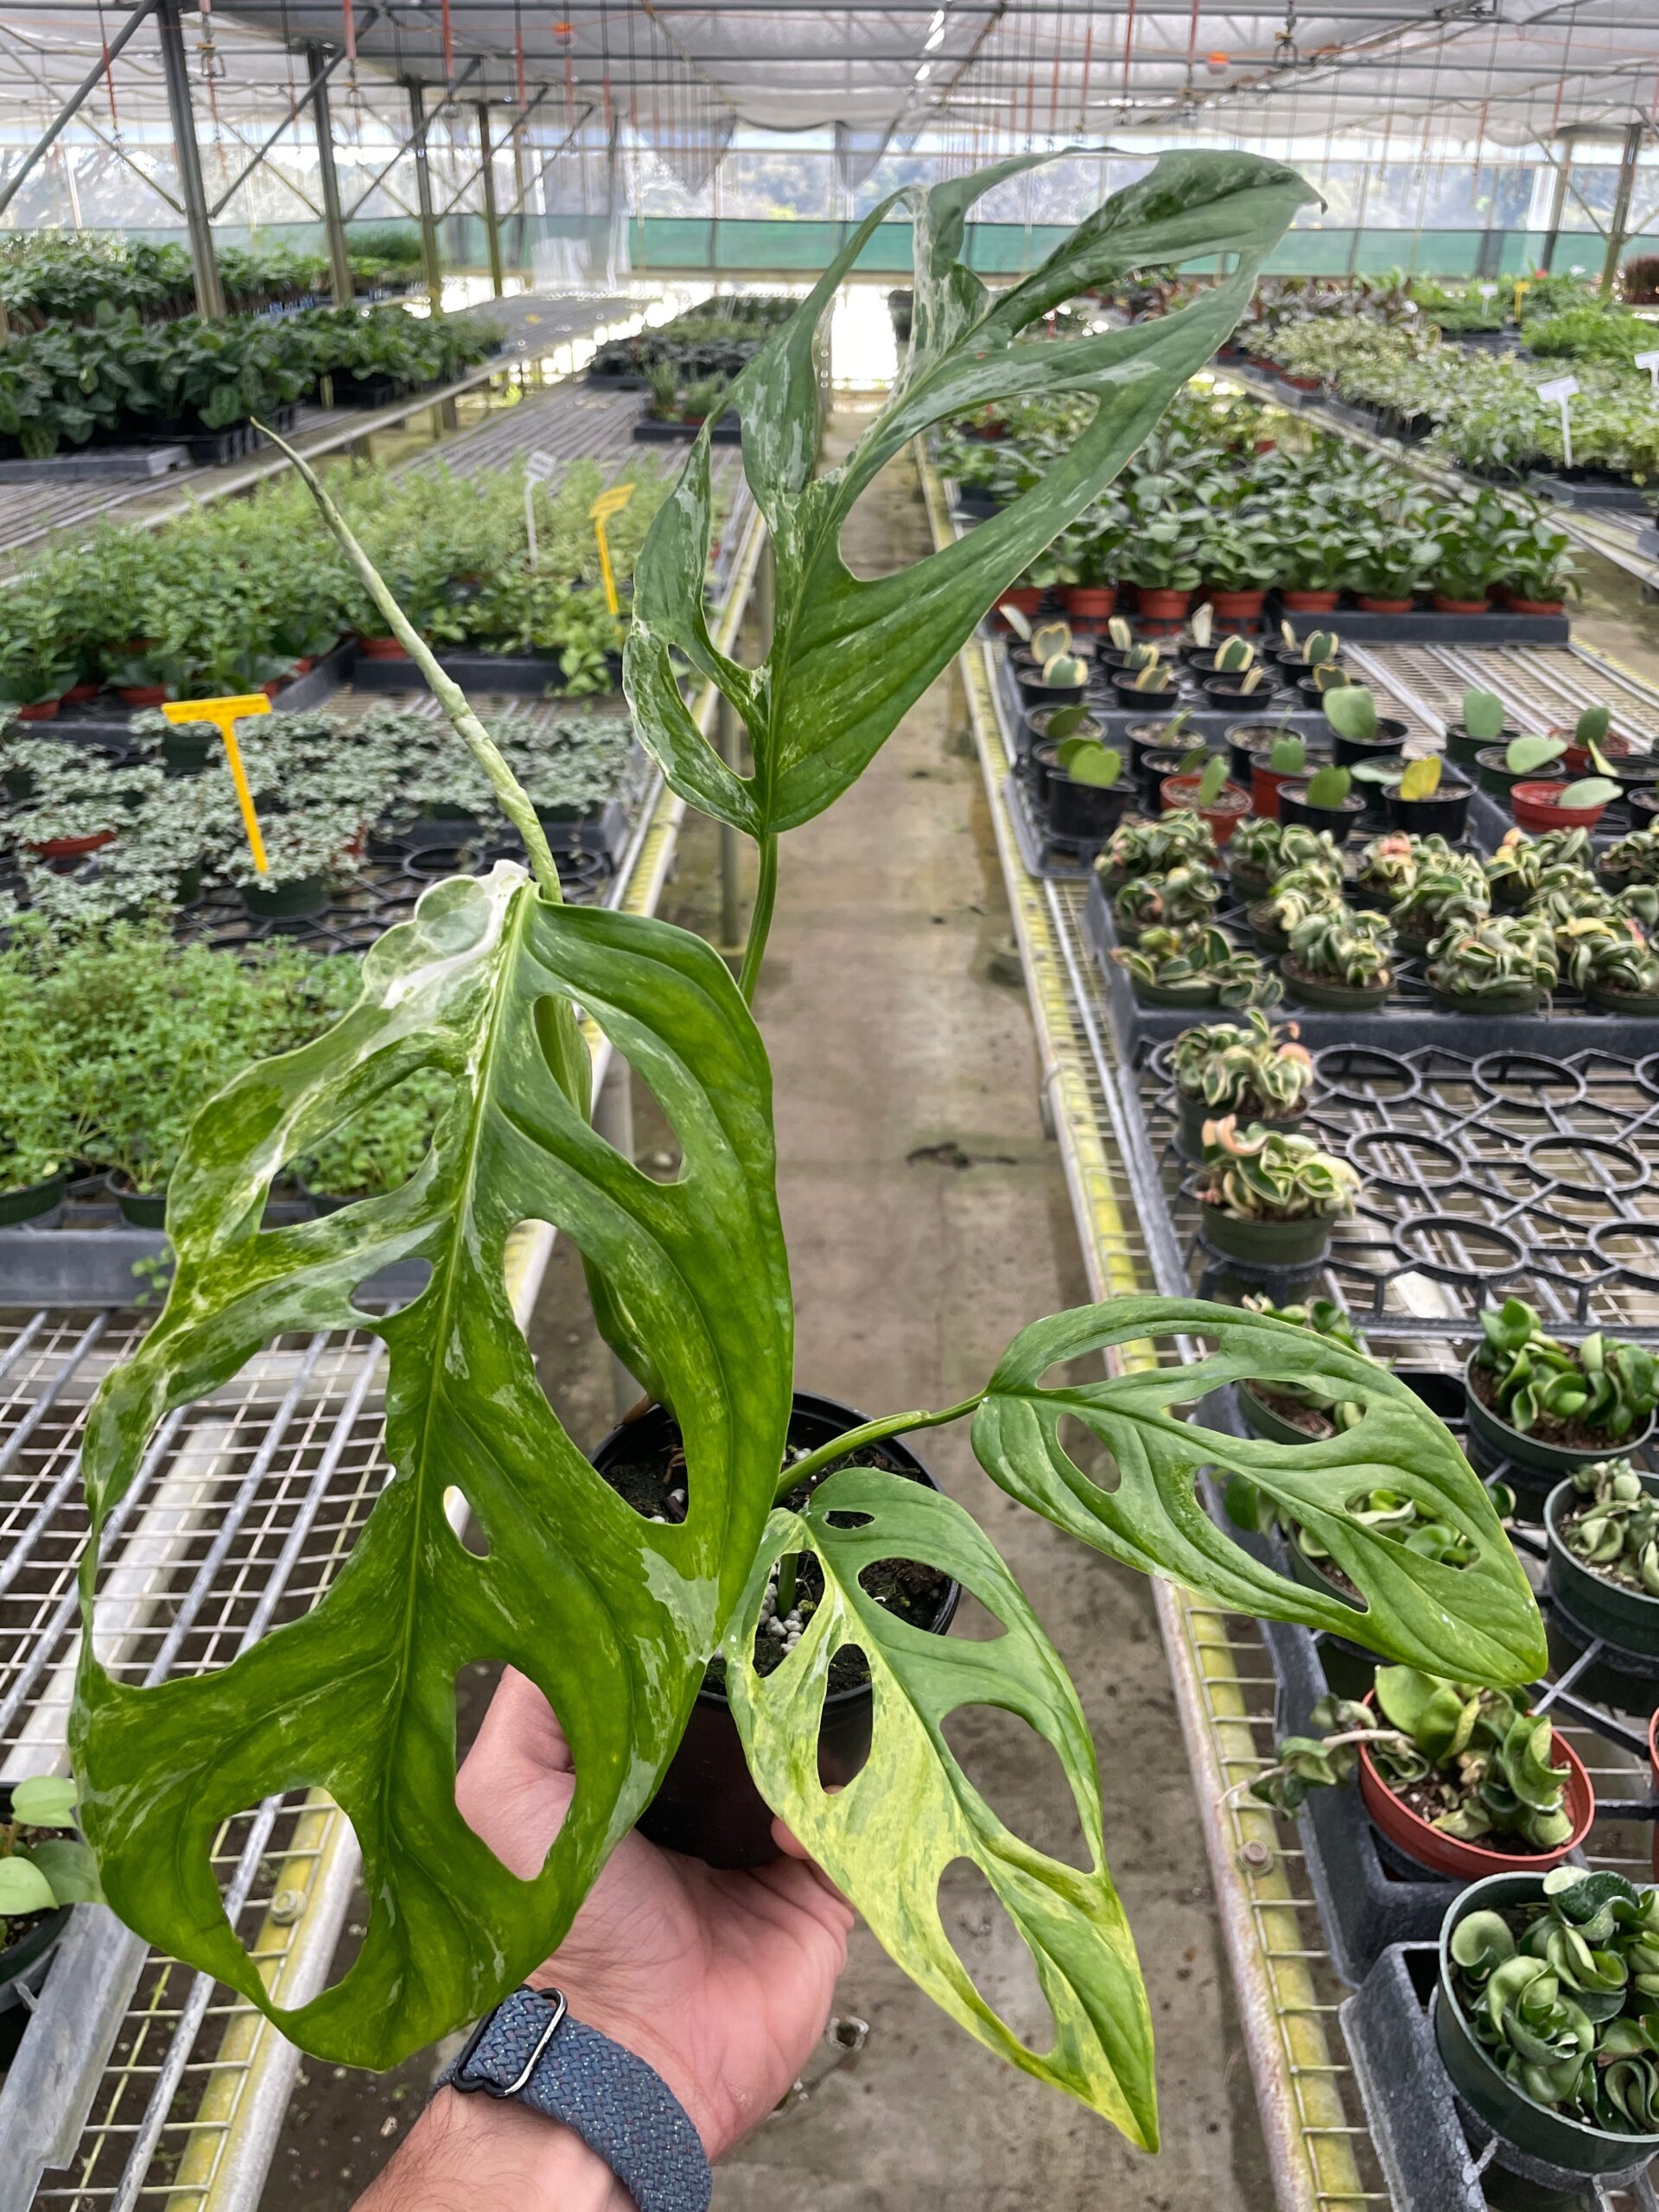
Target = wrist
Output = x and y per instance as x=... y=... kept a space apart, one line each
x=468 y=2151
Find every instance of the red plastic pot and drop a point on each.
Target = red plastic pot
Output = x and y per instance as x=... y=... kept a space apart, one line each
x=1024 y=599
x=41 y=711
x=305 y=664
x=1445 y=606
x=78 y=694
x=988 y=433
x=1300 y=383
x=1535 y=807
x=379 y=648
x=1223 y=816
x=1577 y=757
x=1161 y=608
x=1467 y=1862
x=1309 y=602
x=1265 y=783
x=1383 y=606
x=1089 y=602
x=1235 y=609
x=1534 y=606
x=143 y=695
x=73 y=848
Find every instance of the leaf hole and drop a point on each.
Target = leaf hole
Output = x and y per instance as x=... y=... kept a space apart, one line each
x=265 y=1862
x=1018 y=1772
x=844 y=1720
x=376 y=1147
x=911 y=1590
x=470 y=1534
x=1081 y=1444
x=514 y=1774
x=391 y=1288
x=995 y=1955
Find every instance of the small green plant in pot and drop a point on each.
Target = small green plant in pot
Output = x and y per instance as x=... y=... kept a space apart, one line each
x=1500 y=766
x=1359 y=732
x=1462 y=1779
x=1140 y=846
x=1501 y=963
x=1524 y=868
x=1260 y=851
x=1544 y=1404
x=1080 y=776
x=1420 y=798
x=1341 y=961
x=1206 y=792
x=1300 y=1413
x=615 y=1616
x=1327 y=804
x=1548 y=1989
x=1485 y=723
x=1618 y=971
x=1448 y=892
x=1294 y=895
x=1602 y=1527
x=1194 y=964
x=1186 y=894
x=1629 y=860
x=45 y=1869
x=1252 y=1071
x=1268 y=1196
x=1286 y=762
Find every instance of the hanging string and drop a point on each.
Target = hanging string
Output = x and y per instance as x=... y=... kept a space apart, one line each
x=109 y=76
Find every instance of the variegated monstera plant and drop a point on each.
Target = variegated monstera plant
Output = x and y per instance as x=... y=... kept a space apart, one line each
x=615 y=1617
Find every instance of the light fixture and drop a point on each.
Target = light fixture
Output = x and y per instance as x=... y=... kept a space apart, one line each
x=935 y=31
x=924 y=72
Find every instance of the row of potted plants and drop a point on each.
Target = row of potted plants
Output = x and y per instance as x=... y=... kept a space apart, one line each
x=119 y=379
x=243 y=593
x=1233 y=499
x=85 y=833
x=56 y=276
x=716 y=338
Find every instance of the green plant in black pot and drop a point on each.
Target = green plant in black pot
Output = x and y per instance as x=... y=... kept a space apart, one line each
x=1629 y=860
x=44 y=1868
x=1340 y=961
x=1298 y=1413
x=1359 y=732
x=1387 y=868
x=1499 y=767
x=1195 y=964
x=1268 y=1196
x=1261 y=849
x=1618 y=971
x=1186 y=894
x=1327 y=804
x=1524 y=868
x=1255 y=1072
x=1484 y=723
x=1139 y=846
x=1500 y=963
x=1544 y=1403
x=1294 y=896
x=1602 y=1528
x=1448 y=892
x=1546 y=2015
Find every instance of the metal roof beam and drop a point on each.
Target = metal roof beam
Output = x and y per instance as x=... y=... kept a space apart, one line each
x=13 y=185
x=301 y=101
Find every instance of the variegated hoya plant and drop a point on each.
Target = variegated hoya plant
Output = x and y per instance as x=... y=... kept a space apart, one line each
x=615 y=1616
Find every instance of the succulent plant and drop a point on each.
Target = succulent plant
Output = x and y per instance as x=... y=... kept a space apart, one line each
x=1484 y=715
x=1140 y=846
x=1389 y=864
x=1350 y=710
x=1450 y=894
x=1523 y=866
x=1608 y=955
x=1562 y=1996
x=1320 y=648
x=1300 y=892
x=1636 y=856
x=1266 y=848
x=1329 y=787
x=1065 y=672
x=1605 y=1385
x=1234 y=655
x=1252 y=1070
x=1200 y=961
x=1186 y=894
x=1617 y=1529
x=1495 y=954
x=1261 y=1174
x=1333 y=945
x=1324 y=1318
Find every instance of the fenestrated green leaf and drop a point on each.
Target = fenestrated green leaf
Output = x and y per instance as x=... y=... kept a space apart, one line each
x=1474 y=1623
x=611 y=1615
x=849 y=657
x=887 y=1837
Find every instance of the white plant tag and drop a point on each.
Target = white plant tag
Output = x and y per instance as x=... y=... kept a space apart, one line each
x=1561 y=390
x=1650 y=363
x=538 y=466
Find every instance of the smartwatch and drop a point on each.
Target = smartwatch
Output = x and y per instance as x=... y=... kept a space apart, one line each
x=531 y=2050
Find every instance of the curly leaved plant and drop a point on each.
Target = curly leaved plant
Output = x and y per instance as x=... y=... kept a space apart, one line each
x=616 y=1617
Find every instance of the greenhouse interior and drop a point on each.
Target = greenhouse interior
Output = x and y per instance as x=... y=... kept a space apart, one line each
x=828 y=1106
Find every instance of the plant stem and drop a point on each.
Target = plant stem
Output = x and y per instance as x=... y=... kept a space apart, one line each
x=513 y=797
x=786 y=1568
x=872 y=1431
x=766 y=898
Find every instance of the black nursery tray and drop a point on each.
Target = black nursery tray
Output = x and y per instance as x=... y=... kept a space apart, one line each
x=526 y=675
x=727 y=431
x=1593 y=495
x=1424 y=625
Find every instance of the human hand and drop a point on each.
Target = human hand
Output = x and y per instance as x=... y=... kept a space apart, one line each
x=720 y=1981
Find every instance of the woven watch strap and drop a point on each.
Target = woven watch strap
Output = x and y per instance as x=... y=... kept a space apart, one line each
x=622 y=2109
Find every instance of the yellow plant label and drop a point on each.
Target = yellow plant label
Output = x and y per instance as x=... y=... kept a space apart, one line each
x=224 y=714
x=607 y=505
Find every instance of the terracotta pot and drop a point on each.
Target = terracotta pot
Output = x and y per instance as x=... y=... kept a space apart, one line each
x=1382 y=606
x=1300 y=383
x=1309 y=602
x=1223 y=816
x=1265 y=784
x=305 y=664
x=41 y=711
x=379 y=648
x=1024 y=599
x=73 y=848
x=1535 y=808
x=1161 y=608
x=1235 y=609
x=143 y=695
x=1445 y=606
x=78 y=694
x=1089 y=602
x=1467 y=1862
x=1534 y=605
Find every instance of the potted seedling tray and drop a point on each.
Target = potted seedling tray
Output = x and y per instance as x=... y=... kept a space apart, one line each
x=519 y=675
x=727 y=431
x=1056 y=860
x=1424 y=625
x=1591 y=494
x=106 y=719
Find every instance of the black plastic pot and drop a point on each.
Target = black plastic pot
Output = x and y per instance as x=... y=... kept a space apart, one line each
x=1627 y=1618
x=24 y=1964
x=707 y=1806
x=294 y=901
x=1191 y=1114
x=1521 y=998
x=143 y=1209
x=1316 y=991
x=1569 y=2146
x=1447 y=811
x=1294 y=806
x=1085 y=813
x=34 y=1201
x=1504 y=1442
x=1152 y=767
x=1131 y=700
x=1229 y=693
x=1467 y=750
x=188 y=748
x=1350 y=752
x=1034 y=692
x=1262 y=1421
x=1495 y=776
x=1643 y=807
x=442 y=827
x=1265 y=1244
x=1635 y=1006
x=1034 y=726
